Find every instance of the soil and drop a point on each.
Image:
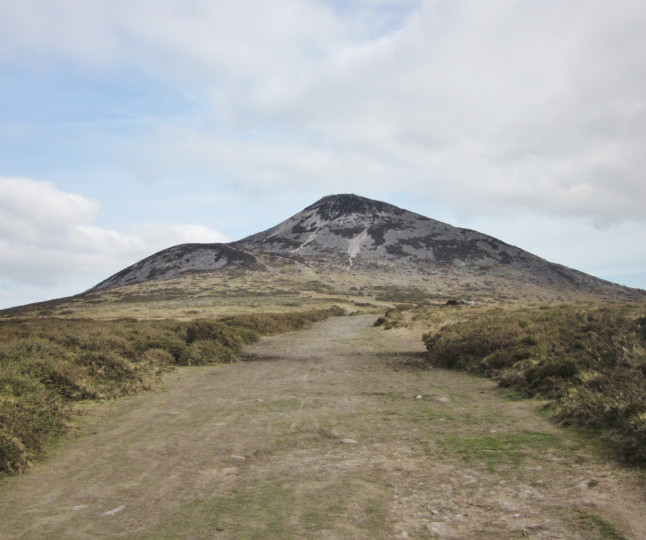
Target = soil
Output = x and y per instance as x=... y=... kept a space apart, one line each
x=334 y=432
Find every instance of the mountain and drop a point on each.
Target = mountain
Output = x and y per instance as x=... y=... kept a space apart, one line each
x=181 y=259
x=360 y=237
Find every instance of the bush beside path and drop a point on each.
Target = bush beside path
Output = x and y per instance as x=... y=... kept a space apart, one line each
x=337 y=431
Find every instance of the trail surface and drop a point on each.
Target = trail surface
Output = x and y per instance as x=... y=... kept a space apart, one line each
x=333 y=432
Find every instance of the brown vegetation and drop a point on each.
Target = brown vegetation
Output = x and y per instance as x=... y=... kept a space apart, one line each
x=590 y=360
x=47 y=364
x=337 y=431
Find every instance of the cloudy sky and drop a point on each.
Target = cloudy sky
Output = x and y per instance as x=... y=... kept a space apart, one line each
x=128 y=126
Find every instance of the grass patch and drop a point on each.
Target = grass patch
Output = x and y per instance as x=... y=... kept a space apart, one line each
x=508 y=449
x=589 y=360
x=257 y=515
x=275 y=509
x=47 y=364
x=250 y=514
x=596 y=524
x=408 y=295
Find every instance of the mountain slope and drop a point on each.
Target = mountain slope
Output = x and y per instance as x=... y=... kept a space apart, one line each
x=352 y=229
x=360 y=236
x=179 y=260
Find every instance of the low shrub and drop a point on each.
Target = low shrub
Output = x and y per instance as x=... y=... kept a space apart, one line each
x=206 y=330
x=207 y=352
x=590 y=360
x=46 y=364
x=30 y=415
x=391 y=319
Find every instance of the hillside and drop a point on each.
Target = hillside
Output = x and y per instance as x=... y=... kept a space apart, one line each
x=355 y=235
x=343 y=250
x=346 y=422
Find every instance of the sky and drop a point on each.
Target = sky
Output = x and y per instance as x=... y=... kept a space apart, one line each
x=129 y=126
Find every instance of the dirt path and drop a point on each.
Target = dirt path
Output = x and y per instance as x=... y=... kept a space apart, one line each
x=326 y=433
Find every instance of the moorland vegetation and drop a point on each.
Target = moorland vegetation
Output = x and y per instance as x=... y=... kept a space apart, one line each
x=587 y=360
x=48 y=365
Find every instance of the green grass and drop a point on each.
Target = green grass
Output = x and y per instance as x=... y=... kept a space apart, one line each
x=47 y=364
x=508 y=449
x=258 y=514
x=596 y=524
x=246 y=514
x=590 y=360
x=407 y=295
x=272 y=509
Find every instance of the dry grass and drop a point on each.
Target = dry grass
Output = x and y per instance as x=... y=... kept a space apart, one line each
x=589 y=359
x=458 y=462
x=46 y=364
x=291 y=287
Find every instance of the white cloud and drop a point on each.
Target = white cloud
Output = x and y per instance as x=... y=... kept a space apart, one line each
x=497 y=106
x=30 y=210
x=488 y=108
x=48 y=237
x=574 y=242
x=170 y=234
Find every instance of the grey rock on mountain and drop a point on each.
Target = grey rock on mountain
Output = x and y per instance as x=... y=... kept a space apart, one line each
x=352 y=228
x=179 y=260
x=354 y=234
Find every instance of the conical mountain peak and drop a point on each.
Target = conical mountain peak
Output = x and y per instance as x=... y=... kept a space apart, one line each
x=349 y=233
x=335 y=206
x=341 y=226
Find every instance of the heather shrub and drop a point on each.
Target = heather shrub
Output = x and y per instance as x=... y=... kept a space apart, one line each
x=30 y=415
x=206 y=352
x=157 y=359
x=46 y=364
x=590 y=360
x=205 y=330
x=275 y=323
x=14 y=457
x=391 y=319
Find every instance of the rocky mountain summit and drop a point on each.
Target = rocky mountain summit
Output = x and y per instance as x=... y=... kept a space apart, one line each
x=353 y=229
x=357 y=235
